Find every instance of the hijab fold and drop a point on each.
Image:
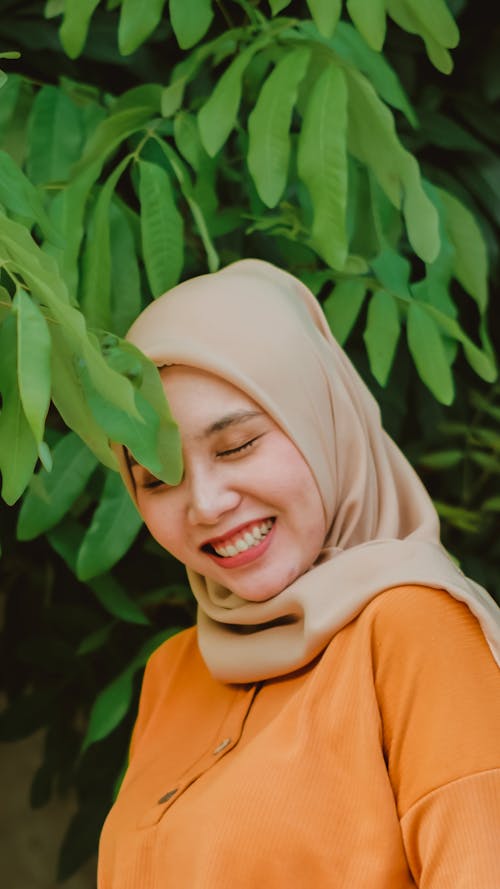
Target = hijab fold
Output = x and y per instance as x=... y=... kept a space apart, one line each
x=262 y=330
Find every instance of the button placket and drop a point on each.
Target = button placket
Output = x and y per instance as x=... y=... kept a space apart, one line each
x=230 y=733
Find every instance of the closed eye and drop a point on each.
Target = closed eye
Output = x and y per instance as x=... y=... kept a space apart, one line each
x=243 y=447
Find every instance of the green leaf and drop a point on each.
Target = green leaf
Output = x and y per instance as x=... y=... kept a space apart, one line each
x=52 y=494
x=161 y=228
x=269 y=126
x=98 y=639
x=393 y=272
x=110 y=707
x=492 y=504
x=481 y=361
x=137 y=21
x=277 y=6
x=125 y=276
x=471 y=261
x=322 y=164
x=406 y=18
x=188 y=192
x=190 y=20
x=114 y=527
x=18 y=447
x=55 y=136
x=33 y=362
x=19 y=196
x=115 y=599
x=429 y=355
x=442 y=459
x=436 y=18
x=168 y=457
x=217 y=117
x=351 y=47
x=112 y=703
x=381 y=334
x=96 y=284
x=372 y=139
x=326 y=14
x=69 y=398
x=67 y=212
x=369 y=18
x=343 y=306
x=110 y=133
x=75 y=25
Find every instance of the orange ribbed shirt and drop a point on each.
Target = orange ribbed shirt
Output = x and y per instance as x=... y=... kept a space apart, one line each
x=376 y=767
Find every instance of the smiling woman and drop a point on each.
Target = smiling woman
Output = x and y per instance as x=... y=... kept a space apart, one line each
x=333 y=718
x=246 y=491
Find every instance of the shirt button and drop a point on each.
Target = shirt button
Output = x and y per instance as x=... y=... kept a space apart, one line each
x=165 y=798
x=222 y=746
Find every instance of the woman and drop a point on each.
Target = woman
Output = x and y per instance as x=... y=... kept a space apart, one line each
x=334 y=718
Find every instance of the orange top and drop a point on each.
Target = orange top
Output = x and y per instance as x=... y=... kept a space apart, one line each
x=376 y=767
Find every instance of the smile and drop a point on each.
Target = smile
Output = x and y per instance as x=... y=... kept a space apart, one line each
x=244 y=545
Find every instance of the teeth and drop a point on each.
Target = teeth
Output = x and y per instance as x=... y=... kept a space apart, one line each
x=246 y=541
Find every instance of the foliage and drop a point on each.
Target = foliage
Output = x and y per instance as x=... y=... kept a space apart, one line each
x=145 y=143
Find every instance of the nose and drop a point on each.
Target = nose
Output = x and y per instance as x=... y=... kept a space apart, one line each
x=210 y=497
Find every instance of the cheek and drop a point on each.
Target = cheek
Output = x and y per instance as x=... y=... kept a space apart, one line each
x=162 y=521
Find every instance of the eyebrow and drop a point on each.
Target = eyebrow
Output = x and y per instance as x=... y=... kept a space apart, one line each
x=232 y=419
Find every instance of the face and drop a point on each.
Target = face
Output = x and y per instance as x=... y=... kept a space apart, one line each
x=247 y=513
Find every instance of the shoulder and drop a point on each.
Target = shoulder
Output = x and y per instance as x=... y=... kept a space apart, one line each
x=171 y=655
x=417 y=618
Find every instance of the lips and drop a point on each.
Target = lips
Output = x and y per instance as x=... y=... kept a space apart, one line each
x=234 y=550
x=240 y=538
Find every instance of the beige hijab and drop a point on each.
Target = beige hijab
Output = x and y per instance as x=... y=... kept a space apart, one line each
x=262 y=330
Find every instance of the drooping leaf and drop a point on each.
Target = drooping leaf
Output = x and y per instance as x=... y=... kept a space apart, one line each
x=168 y=447
x=182 y=175
x=67 y=212
x=442 y=459
x=125 y=276
x=69 y=398
x=75 y=25
x=381 y=334
x=18 y=447
x=190 y=20
x=483 y=362
x=343 y=306
x=369 y=18
x=471 y=261
x=278 y=6
x=436 y=18
x=351 y=47
x=19 y=196
x=217 y=117
x=404 y=15
x=161 y=228
x=55 y=136
x=33 y=362
x=322 y=164
x=115 y=599
x=428 y=352
x=269 y=126
x=137 y=21
x=110 y=133
x=110 y=707
x=96 y=283
x=114 y=527
x=326 y=14
x=51 y=494
x=112 y=703
x=393 y=272
x=372 y=139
